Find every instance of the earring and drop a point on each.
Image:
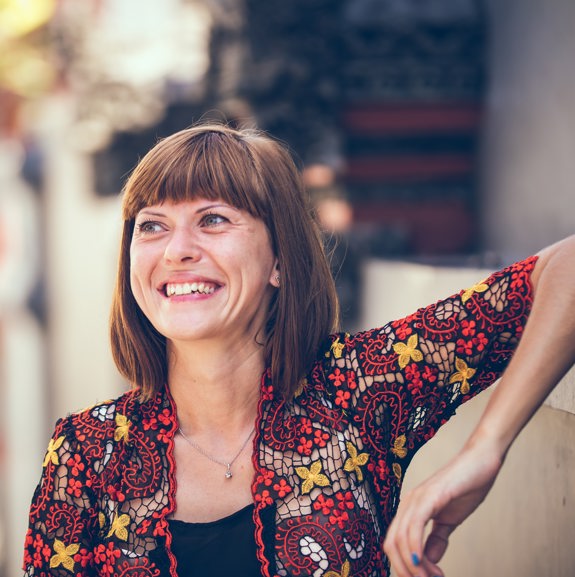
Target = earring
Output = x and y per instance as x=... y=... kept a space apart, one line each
x=277 y=279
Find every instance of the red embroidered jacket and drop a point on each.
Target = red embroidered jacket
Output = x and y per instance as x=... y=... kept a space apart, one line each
x=329 y=464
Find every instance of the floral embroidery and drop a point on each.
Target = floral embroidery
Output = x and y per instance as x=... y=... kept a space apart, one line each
x=324 y=504
x=336 y=348
x=396 y=468
x=355 y=461
x=300 y=388
x=84 y=557
x=337 y=377
x=345 y=568
x=118 y=527
x=264 y=497
x=122 y=428
x=408 y=352
x=312 y=477
x=305 y=446
x=282 y=488
x=63 y=555
x=51 y=454
x=106 y=556
x=342 y=399
x=320 y=438
x=399 y=447
x=462 y=375
x=480 y=287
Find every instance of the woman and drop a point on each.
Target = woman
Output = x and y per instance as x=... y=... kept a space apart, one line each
x=256 y=439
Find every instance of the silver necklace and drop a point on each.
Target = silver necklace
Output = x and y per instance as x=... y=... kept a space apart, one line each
x=225 y=464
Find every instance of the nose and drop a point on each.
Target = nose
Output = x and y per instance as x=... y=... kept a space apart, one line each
x=182 y=246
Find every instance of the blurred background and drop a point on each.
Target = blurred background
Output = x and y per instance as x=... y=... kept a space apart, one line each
x=436 y=139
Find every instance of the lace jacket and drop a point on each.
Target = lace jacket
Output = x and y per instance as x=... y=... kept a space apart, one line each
x=329 y=463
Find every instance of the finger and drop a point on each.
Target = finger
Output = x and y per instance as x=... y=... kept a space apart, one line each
x=437 y=541
x=413 y=541
x=398 y=555
x=391 y=549
x=431 y=569
x=404 y=542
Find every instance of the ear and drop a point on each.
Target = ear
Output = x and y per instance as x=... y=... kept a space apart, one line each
x=275 y=279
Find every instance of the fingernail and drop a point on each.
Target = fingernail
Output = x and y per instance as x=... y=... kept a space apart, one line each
x=415 y=559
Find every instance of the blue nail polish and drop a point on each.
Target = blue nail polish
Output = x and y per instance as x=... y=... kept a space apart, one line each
x=415 y=559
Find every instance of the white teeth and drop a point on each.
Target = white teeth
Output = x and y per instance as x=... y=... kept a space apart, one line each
x=187 y=288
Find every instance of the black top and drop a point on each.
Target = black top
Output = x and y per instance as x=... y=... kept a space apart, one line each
x=217 y=549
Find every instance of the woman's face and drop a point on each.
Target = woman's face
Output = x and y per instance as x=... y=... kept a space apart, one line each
x=202 y=270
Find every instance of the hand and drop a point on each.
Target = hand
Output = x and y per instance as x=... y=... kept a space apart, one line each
x=446 y=499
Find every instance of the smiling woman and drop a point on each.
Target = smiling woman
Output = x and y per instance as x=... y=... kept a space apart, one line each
x=256 y=440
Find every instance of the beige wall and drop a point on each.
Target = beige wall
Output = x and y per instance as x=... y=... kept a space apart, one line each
x=44 y=379
x=529 y=138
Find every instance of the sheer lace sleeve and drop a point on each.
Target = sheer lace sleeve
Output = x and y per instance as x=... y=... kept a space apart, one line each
x=62 y=519
x=401 y=382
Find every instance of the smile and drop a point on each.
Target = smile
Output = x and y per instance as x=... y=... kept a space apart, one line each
x=177 y=289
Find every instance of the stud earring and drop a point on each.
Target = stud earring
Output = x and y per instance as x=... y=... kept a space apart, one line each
x=277 y=279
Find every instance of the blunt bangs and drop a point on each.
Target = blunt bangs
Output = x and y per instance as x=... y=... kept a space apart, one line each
x=197 y=163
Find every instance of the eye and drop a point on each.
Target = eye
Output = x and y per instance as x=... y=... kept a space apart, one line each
x=148 y=227
x=213 y=219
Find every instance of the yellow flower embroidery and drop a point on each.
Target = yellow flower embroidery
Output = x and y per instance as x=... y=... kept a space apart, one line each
x=300 y=388
x=396 y=467
x=311 y=477
x=399 y=447
x=355 y=461
x=118 y=527
x=408 y=351
x=101 y=519
x=51 y=454
x=122 y=428
x=336 y=348
x=345 y=568
x=462 y=375
x=480 y=287
x=63 y=555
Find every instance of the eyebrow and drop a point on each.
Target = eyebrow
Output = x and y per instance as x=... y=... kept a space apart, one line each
x=217 y=205
x=145 y=211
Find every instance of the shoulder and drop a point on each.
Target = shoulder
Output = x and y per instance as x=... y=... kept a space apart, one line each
x=102 y=415
x=97 y=429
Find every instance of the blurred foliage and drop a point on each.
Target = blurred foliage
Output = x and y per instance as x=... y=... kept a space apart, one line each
x=26 y=65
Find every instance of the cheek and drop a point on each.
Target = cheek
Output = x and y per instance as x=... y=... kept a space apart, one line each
x=137 y=275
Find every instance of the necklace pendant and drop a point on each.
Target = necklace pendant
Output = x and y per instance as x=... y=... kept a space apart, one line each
x=229 y=472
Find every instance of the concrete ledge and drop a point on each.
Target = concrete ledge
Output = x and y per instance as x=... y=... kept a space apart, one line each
x=563 y=397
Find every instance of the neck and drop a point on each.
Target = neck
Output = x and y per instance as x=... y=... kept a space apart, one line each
x=216 y=390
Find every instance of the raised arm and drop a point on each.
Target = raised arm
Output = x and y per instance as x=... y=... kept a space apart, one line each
x=545 y=353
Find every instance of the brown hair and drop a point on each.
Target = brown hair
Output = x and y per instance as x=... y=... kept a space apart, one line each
x=252 y=172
